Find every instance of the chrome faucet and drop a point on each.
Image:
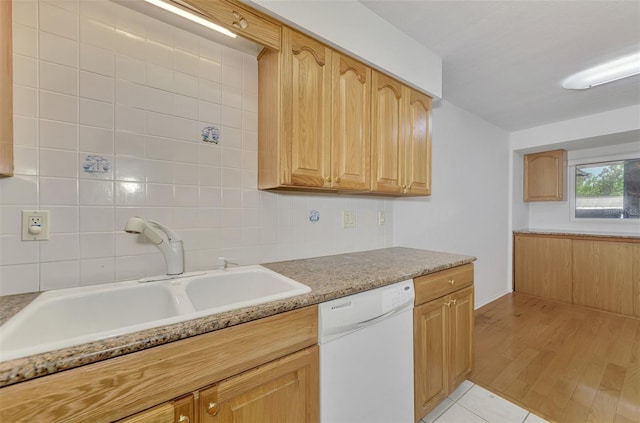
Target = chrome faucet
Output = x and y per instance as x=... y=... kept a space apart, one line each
x=167 y=241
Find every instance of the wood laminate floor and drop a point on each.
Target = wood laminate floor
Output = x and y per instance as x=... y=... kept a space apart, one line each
x=563 y=362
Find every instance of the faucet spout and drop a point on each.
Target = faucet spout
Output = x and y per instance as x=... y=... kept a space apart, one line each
x=167 y=241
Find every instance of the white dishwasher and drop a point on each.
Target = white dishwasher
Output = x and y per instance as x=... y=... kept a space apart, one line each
x=366 y=356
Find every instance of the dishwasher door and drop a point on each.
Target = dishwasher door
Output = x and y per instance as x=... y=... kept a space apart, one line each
x=366 y=374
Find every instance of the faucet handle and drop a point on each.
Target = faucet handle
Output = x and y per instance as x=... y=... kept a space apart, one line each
x=223 y=262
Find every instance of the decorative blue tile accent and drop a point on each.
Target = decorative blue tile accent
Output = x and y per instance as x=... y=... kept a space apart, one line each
x=96 y=164
x=210 y=134
x=314 y=216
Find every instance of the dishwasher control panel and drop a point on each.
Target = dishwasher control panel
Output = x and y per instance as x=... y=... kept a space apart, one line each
x=397 y=296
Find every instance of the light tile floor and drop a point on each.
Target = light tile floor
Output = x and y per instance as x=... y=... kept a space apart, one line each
x=472 y=404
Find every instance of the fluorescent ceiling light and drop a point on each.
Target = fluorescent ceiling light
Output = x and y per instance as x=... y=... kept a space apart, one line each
x=607 y=72
x=188 y=15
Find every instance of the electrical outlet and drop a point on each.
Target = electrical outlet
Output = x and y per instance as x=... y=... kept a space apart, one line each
x=348 y=219
x=35 y=225
x=381 y=218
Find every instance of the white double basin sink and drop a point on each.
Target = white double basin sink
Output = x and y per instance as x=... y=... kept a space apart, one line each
x=68 y=317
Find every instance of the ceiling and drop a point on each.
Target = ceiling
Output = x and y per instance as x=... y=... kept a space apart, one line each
x=505 y=60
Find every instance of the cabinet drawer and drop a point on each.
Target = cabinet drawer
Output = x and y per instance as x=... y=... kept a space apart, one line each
x=435 y=285
x=240 y=20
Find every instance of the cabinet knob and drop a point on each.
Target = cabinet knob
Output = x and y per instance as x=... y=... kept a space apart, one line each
x=328 y=178
x=452 y=282
x=183 y=419
x=337 y=180
x=448 y=303
x=454 y=302
x=213 y=408
x=404 y=186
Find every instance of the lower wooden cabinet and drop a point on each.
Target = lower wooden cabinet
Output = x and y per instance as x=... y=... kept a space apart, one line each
x=598 y=272
x=543 y=267
x=443 y=339
x=246 y=366
x=284 y=390
x=603 y=275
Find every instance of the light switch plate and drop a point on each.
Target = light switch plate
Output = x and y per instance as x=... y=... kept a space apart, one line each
x=381 y=218
x=35 y=225
x=348 y=219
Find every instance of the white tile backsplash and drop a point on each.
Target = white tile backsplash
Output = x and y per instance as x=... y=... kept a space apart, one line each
x=95 y=78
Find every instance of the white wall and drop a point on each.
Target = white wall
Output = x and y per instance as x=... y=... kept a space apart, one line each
x=467 y=212
x=351 y=27
x=95 y=78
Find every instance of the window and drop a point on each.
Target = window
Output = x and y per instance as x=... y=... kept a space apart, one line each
x=609 y=190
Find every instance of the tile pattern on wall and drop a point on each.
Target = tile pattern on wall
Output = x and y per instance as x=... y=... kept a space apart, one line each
x=109 y=111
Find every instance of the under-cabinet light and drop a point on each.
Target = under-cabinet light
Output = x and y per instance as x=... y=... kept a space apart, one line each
x=622 y=67
x=188 y=15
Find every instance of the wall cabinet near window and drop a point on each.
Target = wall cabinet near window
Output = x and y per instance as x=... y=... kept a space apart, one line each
x=545 y=176
x=6 y=90
x=443 y=335
x=596 y=271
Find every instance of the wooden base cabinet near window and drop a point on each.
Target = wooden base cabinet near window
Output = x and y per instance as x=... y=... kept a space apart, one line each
x=599 y=272
x=443 y=335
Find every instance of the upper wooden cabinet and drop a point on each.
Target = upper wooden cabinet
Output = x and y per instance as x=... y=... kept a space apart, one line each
x=6 y=90
x=313 y=119
x=240 y=19
x=351 y=111
x=401 y=138
x=387 y=134
x=327 y=121
x=545 y=176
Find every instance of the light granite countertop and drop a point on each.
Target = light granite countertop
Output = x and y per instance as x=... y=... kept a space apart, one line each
x=328 y=277
x=578 y=234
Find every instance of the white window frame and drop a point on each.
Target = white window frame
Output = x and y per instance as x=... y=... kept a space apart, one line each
x=572 y=186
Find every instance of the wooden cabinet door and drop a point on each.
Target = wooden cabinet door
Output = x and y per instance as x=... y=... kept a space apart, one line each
x=351 y=112
x=387 y=123
x=460 y=336
x=543 y=267
x=417 y=144
x=282 y=391
x=544 y=176
x=6 y=90
x=430 y=351
x=306 y=94
x=603 y=275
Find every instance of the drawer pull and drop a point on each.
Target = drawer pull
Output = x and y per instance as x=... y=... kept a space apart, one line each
x=183 y=419
x=213 y=408
x=452 y=282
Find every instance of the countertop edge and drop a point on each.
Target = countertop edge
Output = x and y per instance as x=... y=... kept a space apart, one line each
x=377 y=274
x=578 y=234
